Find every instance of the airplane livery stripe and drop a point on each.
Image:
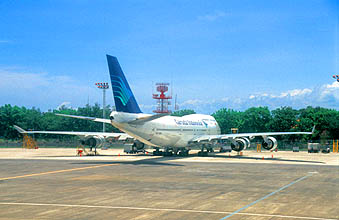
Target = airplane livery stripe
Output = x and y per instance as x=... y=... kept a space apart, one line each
x=124 y=94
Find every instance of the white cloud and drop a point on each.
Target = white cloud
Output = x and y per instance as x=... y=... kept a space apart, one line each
x=43 y=90
x=47 y=91
x=5 y=41
x=212 y=17
x=12 y=80
x=299 y=92
x=335 y=84
x=325 y=96
x=192 y=102
x=330 y=90
x=290 y=93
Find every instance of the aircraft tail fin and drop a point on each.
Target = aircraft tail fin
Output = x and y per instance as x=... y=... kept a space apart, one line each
x=122 y=93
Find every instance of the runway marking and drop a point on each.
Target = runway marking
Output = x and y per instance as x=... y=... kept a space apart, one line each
x=56 y=171
x=268 y=195
x=160 y=209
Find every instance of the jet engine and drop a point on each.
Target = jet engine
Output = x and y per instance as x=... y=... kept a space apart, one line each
x=240 y=144
x=94 y=141
x=269 y=143
x=247 y=141
x=138 y=146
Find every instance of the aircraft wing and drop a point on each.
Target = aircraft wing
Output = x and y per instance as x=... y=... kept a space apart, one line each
x=232 y=136
x=118 y=136
x=87 y=118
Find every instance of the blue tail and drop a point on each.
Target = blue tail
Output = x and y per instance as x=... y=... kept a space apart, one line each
x=123 y=96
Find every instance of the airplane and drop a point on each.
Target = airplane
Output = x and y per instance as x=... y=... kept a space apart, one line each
x=171 y=134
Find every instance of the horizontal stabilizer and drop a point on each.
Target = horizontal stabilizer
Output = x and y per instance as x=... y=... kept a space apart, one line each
x=147 y=118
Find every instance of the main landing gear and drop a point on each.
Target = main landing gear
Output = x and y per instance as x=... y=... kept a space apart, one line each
x=91 y=152
x=168 y=152
x=204 y=153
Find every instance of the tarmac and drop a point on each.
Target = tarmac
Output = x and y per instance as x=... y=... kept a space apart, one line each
x=56 y=184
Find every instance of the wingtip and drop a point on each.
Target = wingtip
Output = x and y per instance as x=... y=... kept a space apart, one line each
x=313 y=129
x=20 y=130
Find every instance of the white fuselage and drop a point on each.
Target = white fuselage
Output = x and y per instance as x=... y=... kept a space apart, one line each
x=167 y=131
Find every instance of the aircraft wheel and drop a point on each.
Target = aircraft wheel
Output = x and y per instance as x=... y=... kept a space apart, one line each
x=183 y=153
x=202 y=153
x=156 y=153
x=168 y=153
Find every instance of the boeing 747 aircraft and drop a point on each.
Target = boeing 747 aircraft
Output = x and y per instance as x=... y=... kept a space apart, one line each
x=175 y=135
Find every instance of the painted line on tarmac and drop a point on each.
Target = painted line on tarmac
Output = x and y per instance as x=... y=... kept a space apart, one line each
x=56 y=171
x=160 y=209
x=268 y=195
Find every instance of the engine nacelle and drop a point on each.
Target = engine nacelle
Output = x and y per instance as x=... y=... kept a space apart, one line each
x=137 y=145
x=239 y=144
x=95 y=141
x=248 y=142
x=270 y=143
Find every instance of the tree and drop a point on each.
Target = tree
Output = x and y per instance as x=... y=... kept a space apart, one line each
x=325 y=120
x=283 y=119
x=227 y=119
x=256 y=119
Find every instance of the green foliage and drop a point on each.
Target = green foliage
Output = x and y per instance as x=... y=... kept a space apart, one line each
x=283 y=119
x=34 y=119
x=256 y=119
x=228 y=118
x=183 y=112
x=260 y=119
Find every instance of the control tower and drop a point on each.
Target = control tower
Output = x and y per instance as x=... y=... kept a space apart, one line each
x=163 y=101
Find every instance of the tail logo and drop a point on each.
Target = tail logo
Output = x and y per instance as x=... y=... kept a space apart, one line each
x=121 y=91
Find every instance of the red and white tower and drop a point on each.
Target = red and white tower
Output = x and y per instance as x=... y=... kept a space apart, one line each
x=163 y=101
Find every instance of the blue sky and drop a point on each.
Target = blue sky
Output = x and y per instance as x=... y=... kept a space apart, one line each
x=234 y=54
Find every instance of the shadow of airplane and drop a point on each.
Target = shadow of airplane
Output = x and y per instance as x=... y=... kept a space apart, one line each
x=161 y=161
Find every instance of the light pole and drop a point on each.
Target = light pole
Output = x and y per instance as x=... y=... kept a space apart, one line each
x=103 y=86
